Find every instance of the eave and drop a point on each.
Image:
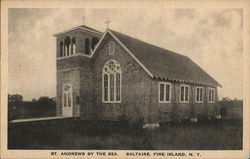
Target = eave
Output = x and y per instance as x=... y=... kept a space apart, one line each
x=98 y=33
x=186 y=82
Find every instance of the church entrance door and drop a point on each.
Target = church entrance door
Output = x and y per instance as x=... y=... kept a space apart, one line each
x=67 y=103
x=67 y=111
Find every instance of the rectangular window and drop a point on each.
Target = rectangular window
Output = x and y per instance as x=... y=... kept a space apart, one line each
x=111 y=48
x=164 y=92
x=199 y=94
x=161 y=92
x=211 y=95
x=167 y=96
x=184 y=93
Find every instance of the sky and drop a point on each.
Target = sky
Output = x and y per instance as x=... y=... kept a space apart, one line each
x=212 y=38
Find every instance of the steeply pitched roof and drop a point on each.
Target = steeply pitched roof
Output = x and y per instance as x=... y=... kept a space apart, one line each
x=165 y=64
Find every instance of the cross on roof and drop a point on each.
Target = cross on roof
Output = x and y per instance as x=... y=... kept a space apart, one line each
x=107 y=22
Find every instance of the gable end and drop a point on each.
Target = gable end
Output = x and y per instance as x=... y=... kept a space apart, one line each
x=125 y=48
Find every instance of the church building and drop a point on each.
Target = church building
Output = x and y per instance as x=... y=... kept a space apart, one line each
x=112 y=76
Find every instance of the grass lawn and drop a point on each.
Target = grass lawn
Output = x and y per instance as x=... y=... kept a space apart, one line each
x=206 y=135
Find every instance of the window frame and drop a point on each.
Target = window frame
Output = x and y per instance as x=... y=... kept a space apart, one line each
x=164 y=92
x=115 y=87
x=212 y=90
x=113 y=49
x=199 y=101
x=67 y=50
x=184 y=94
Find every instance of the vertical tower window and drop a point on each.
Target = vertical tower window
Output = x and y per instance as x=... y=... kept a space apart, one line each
x=61 y=49
x=94 y=41
x=87 y=46
x=73 y=46
x=111 y=89
x=67 y=43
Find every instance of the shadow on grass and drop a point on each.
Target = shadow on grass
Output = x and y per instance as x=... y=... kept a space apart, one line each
x=72 y=134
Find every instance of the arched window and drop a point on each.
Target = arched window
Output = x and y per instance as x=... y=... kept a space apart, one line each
x=73 y=46
x=67 y=42
x=67 y=95
x=94 y=42
x=87 y=46
x=111 y=77
x=61 y=49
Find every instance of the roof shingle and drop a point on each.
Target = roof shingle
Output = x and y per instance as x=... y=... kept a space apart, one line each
x=166 y=64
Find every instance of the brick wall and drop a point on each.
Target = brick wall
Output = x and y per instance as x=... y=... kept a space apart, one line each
x=139 y=93
x=77 y=71
x=87 y=93
x=136 y=86
x=184 y=110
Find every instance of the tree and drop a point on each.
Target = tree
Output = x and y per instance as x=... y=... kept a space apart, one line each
x=226 y=99
x=33 y=100
x=43 y=99
x=15 y=98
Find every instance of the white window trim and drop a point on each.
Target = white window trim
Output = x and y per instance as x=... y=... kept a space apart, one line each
x=108 y=101
x=199 y=95
x=164 y=97
x=185 y=85
x=213 y=89
x=113 y=51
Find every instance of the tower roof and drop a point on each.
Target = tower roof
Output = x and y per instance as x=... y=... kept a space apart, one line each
x=80 y=27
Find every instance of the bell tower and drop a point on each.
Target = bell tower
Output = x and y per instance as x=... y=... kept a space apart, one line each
x=74 y=71
x=78 y=40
